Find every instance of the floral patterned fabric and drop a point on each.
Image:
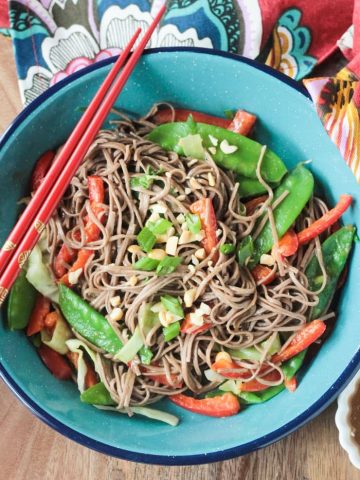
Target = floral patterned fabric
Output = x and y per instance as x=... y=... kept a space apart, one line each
x=54 y=38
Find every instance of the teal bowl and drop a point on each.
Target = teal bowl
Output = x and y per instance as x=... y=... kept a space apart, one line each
x=211 y=82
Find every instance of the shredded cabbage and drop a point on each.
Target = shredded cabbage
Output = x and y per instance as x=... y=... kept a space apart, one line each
x=39 y=275
x=57 y=339
x=192 y=146
x=76 y=346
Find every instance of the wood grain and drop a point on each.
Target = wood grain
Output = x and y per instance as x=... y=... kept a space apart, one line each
x=31 y=450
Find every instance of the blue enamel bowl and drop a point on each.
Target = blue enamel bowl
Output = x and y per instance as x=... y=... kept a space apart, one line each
x=211 y=82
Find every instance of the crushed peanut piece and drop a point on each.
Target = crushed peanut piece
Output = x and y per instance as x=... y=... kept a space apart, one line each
x=211 y=179
x=116 y=315
x=226 y=148
x=200 y=254
x=189 y=297
x=133 y=280
x=115 y=301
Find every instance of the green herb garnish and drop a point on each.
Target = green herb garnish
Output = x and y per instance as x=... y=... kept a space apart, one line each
x=245 y=250
x=159 y=227
x=171 y=331
x=227 y=248
x=147 y=264
x=146 y=239
x=146 y=355
x=168 y=265
x=172 y=305
x=193 y=222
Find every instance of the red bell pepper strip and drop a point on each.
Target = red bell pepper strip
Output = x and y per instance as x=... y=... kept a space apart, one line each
x=82 y=258
x=188 y=327
x=51 y=320
x=288 y=244
x=55 y=362
x=65 y=256
x=96 y=189
x=38 y=315
x=302 y=340
x=220 y=406
x=326 y=221
x=291 y=384
x=256 y=386
x=253 y=203
x=165 y=115
x=263 y=275
x=204 y=208
x=41 y=168
x=243 y=122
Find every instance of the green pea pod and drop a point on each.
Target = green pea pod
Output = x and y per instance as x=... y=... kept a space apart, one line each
x=89 y=323
x=291 y=367
x=261 y=397
x=97 y=395
x=300 y=185
x=335 y=250
x=21 y=302
x=250 y=187
x=243 y=161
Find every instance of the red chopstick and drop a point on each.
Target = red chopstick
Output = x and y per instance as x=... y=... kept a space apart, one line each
x=29 y=213
x=49 y=203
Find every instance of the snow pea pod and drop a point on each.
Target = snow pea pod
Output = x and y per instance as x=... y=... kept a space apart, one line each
x=293 y=365
x=243 y=160
x=261 y=397
x=21 y=302
x=299 y=183
x=335 y=250
x=97 y=395
x=250 y=187
x=89 y=323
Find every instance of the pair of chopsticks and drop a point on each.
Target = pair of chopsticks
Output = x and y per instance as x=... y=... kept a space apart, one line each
x=38 y=212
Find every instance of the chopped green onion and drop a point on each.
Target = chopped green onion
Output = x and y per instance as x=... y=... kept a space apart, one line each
x=168 y=265
x=172 y=305
x=146 y=239
x=171 y=331
x=146 y=355
x=143 y=181
x=227 y=248
x=194 y=223
x=159 y=227
x=245 y=250
x=147 y=264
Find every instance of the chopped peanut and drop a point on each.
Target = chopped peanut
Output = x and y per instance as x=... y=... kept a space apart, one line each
x=157 y=254
x=189 y=297
x=115 y=301
x=116 y=315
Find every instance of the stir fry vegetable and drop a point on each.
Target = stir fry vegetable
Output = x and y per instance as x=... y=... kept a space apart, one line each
x=233 y=151
x=89 y=323
x=225 y=405
x=21 y=303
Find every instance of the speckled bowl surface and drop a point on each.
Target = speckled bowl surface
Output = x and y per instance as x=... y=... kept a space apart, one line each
x=210 y=82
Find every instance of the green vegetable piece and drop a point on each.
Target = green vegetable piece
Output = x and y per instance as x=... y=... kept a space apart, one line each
x=146 y=239
x=300 y=185
x=293 y=365
x=172 y=304
x=245 y=250
x=159 y=227
x=171 y=331
x=193 y=222
x=252 y=353
x=146 y=264
x=227 y=248
x=145 y=355
x=335 y=250
x=39 y=275
x=147 y=320
x=143 y=181
x=97 y=395
x=89 y=323
x=21 y=303
x=131 y=348
x=167 y=265
x=250 y=187
x=261 y=397
x=36 y=340
x=243 y=161
x=192 y=146
x=214 y=393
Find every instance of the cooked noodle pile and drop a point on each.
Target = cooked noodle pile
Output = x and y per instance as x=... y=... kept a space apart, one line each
x=242 y=313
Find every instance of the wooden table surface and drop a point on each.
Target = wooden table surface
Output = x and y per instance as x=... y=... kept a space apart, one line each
x=30 y=450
